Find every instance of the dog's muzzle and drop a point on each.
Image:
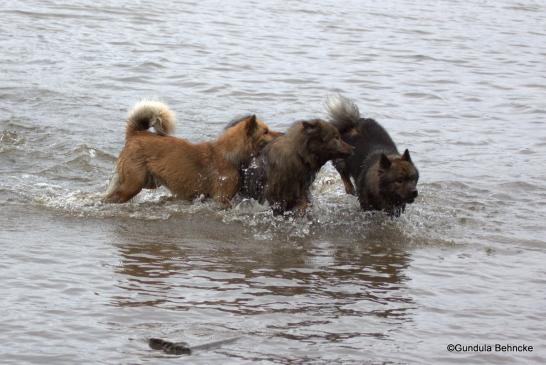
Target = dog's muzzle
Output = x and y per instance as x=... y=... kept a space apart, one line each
x=412 y=195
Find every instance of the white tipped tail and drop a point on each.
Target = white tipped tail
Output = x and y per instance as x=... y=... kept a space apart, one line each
x=146 y=114
x=343 y=112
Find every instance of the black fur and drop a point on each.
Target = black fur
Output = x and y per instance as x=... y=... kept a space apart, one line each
x=384 y=179
x=369 y=141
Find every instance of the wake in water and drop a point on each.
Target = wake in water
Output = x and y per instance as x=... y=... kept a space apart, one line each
x=71 y=180
x=333 y=214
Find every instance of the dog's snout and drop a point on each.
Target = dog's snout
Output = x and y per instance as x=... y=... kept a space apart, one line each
x=414 y=194
x=347 y=148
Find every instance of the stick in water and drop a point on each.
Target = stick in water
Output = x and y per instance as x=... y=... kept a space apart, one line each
x=183 y=348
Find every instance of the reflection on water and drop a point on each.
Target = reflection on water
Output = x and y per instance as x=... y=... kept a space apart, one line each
x=281 y=287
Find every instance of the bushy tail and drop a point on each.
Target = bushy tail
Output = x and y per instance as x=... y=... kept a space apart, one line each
x=146 y=114
x=343 y=112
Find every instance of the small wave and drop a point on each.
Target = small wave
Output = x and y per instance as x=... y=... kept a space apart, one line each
x=151 y=206
x=93 y=152
x=133 y=79
x=84 y=163
x=10 y=140
x=423 y=95
x=534 y=8
x=148 y=66
x=521 y=187
x=15 y=124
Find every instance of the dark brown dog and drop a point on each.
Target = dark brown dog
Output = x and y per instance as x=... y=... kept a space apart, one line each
x=188 y=170
x=283 y=172
x=385 y=180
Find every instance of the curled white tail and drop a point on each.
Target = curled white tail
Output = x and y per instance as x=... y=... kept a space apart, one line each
x=146 y=114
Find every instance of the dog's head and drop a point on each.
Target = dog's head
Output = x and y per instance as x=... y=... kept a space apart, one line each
x=250 y=135
x=258 y=133
x=398 y=178
x=324 y=141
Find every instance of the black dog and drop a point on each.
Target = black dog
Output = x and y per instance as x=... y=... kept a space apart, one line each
x=385 y=180
x=284 y=170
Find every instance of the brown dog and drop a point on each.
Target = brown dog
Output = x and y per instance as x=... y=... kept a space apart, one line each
x=283 y=172
x=385 y=180
x=188 y=170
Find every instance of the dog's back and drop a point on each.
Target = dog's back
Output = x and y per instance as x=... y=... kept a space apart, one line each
x=366 y=135
x=370 y=139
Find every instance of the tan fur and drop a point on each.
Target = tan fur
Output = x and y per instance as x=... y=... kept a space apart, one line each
x=187 y=169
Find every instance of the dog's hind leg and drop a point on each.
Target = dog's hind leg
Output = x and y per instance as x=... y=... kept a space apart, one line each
x=152 y=182
x=125 y=185
x=225 y=188
x=301 y=206
x=341 y=167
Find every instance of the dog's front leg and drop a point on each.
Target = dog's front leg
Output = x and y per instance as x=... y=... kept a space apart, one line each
x=225 y=202
x=301 y=206
x=364 y=200
x=341 y=167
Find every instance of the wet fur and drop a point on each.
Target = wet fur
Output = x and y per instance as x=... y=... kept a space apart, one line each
x=384 y=179
x=187 y=169
x=283 y=172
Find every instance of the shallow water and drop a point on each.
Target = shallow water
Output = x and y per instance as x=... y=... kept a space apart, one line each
x=461 y=84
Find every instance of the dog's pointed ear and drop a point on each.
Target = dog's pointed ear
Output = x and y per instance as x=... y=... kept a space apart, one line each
x=406 y=156
x=310 y=126
x=251 y=124
x=384 y=162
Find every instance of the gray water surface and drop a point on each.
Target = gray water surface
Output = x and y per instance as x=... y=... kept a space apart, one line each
x=459 y=83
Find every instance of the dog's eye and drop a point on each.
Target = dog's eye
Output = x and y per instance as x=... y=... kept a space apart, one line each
x=266 y=131
x=400 y=180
